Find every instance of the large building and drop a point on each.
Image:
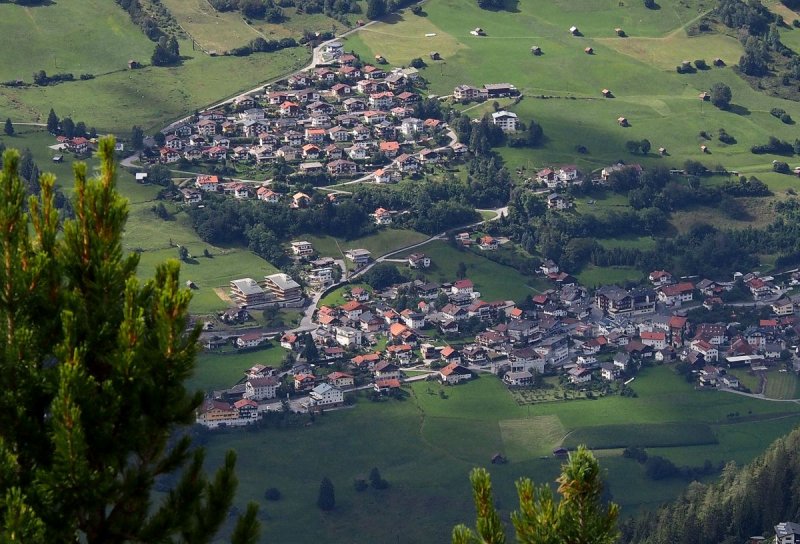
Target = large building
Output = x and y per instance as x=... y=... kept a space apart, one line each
x=247 y=292
x=283 y=288
x=613 y=300
x=506 y=120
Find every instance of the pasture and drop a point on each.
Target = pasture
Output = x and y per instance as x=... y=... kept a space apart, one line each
x=593 y=276
x=379 y=243
x=426 y=445
x=219 y=370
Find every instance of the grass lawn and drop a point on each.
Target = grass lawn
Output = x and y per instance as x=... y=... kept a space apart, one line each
x=426 y=445
x=380 y=243
x=336 y=297
x=650 y=435
x=494 y=281
x=628 y=242
x=592 y=276
x=782 y=385
x=219 y=370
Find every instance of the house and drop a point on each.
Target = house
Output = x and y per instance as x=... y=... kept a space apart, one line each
x=386 y=371
x=302 y=248
x=706 y=349
x=341 y=379
x=548 y=267
x=609 y=371
x=787 y=532
x=656 y=340
x=518 y=379
x=266 y=194
x=466 y=92
x=454 y=373
x=450 y=355
x=660 y=277
x=526 y=358
x=474 y=354
x=759 y=288
x=556 y=201
x=249 y=340
x=325 y=394
x=213 y=413
x=506 y=120
x=290 y=341
x=261 y=388
x=382 y=217
x=418 y=260
x=300 y=200
x=487 y=243
x=464 y=286
x=500 y=90
x=410 y=126
x=676 y=294
x=614 y=301
x=191 y=196
x=783 y=306
x=348 y=337
x=407 y=163
x=579 y=375
x=359 y=257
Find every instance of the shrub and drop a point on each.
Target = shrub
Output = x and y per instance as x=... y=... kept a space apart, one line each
x=272 y=494
x=786 y=118
x=780 y=167
x=726 y=138
x=700 y=64
x=777 y=112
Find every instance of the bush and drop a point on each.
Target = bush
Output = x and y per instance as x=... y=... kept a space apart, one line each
x=786 y=118
x=777 y=112
x=774 y=145
x=417 y=63
x=360 y=484
x=726 y=138
x=272 y=494
x=796 y=23
x=780 y=167
x=700 y=64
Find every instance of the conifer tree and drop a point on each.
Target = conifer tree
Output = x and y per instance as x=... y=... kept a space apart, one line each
x=52 y=122
x=9 y=128
x=92 y=365
x=580 y=517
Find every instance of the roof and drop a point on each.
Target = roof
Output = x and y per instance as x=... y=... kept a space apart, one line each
x=247 y=286
x=263 y=382
x=463 y=284
x=339 y=375
x=454 y=368
x=787 y=528
x=653 y=336
x=283 y=281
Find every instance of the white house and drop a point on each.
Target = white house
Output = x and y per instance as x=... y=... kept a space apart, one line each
x=302 y=248
x=506 y=120
x=325 y=394
x=261 y=388
x=454 y=373
x=348 y=337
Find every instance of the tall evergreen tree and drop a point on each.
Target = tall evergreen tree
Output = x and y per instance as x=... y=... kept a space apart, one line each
x=92 y=365
x=52 y=122
x=137 y=137
x=9 y=128
x=376 y=9
x=68 y=127
x=580 y=517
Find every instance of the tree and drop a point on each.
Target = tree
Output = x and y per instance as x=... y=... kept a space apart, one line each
x=137 y=137
x=461 y=270
x=83 y=436
x=633 y=146
x=580 y=517
x=68 y=127
x=310 y=351
x=417 y=63
x=9 y=128
x=375 y=479
x=183 y=253
x=376 y=9
x=721 y=96
x=535 y=133
x=52 y=122
x=645 y=146
x=326 y=500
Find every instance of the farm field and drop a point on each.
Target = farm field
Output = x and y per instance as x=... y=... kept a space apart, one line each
x=336 y=297
x=380 y=243
x=782 y=385
x=593 y=276
x=102 y=39
x=494 y=281
x=426 y=445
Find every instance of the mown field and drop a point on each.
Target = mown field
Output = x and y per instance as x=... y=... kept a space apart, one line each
x=101 y=40
x=426 y=445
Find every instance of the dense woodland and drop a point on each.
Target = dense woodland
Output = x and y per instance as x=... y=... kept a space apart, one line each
x=743 y=503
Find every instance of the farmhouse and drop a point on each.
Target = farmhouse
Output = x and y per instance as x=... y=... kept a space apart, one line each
x=454 y=373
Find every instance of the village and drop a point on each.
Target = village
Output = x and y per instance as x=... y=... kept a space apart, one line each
x=568 y=339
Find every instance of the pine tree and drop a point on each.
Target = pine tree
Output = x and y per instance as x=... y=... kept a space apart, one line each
x=376 y=9
x=92 y=365
x=9 y=128
x=52 y=122
x=580 y=517
x=326 y=500
x=137 y=137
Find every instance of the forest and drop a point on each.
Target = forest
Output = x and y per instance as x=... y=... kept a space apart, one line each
x=744 y=502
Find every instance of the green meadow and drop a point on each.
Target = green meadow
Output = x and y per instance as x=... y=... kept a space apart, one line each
x=426 y=444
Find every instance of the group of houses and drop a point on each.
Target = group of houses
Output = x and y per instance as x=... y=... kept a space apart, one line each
x=339 y=119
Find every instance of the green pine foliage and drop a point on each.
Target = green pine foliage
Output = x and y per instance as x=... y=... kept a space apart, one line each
x=92 y=366
x=743 y=503
x=580 y=517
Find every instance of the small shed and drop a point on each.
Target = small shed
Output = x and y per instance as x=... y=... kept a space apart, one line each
x=686 y=64
x=719 y=62
x=662 y=151
x=589 y=51
x=133 y=64
x=704 y=96
x=619 y=32
x=379 y=59
x=623 y=122
x=190 y=284
x=560 y=452
x=536 y=50
x=704 y=148
x=435 y=55
x=797 y=171
x=499 y=459
x=574 y=31
x=478 y=31
x=58 y=158
x=607 y=94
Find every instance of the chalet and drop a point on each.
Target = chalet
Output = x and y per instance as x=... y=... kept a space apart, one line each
x=191 y=196
x=706 y=349
x=402 y=353
x=783 y=306
x=656 y=340
x=466 y=92
x=407 y=163
x=556 y=201
x=267 y=195
x=411 y=126
x=348 y=337
x=487 y=243
x=676 y=294
x=341 y=379
x=614 y=301
x=521 y=378
x=418 y=260
x=506 y=120
x=261 y=388
x=169 y=156
x=325 y=394
x=290 y=341
x=609 y=372
x=579 y=375
x=660 y=277
x=454 y=373
x=359 y=257
x=249 y=340
x=464 y=286
x=300 y=200
x=386 y=371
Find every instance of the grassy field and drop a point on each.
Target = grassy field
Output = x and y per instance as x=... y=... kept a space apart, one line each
x=217 y=371
x=101 y=40
x=380 y=243
x=661 y=435
x=592 y=276
x=494 y=281
x=221 y=31
x=426 y=445
x=782 y=385
x=336 y=297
